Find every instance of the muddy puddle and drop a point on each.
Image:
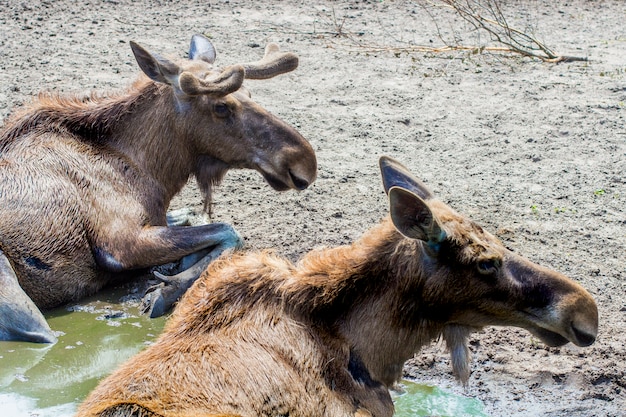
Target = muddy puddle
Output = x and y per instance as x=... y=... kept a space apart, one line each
x=94 y=338
x=413 y=399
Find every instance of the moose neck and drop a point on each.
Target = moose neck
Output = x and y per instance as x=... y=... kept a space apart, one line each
x=146 y=132
x=375 y=301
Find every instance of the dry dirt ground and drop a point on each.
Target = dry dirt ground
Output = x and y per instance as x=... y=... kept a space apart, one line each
x=535 y=152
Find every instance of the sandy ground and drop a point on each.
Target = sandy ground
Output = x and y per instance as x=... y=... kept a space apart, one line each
x=535 y=152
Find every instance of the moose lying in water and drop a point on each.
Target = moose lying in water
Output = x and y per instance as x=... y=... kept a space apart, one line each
x=258 y=336
x=86 y=182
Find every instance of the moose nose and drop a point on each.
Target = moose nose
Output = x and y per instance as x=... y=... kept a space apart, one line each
x=298 y=182
x=583 y=338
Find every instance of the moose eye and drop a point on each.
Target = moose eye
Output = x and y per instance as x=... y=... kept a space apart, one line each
x=488 y=266
x=221 y=110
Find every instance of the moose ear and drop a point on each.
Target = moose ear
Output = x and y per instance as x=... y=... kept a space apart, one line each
x=397 y=175
x=202 y=48
x=155 y=66
x=413 y=218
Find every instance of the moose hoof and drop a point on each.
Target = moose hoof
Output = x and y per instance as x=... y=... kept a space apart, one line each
x=160 y=298
x=153 y=303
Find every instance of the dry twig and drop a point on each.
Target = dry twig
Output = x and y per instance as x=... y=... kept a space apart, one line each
x=487 y=16
x=484 y=16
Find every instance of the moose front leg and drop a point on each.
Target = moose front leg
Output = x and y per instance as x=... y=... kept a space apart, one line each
x=159 y=299
x=158 y=245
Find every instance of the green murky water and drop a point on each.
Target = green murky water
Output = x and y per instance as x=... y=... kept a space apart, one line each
x=418 y=400
x=43 y=380
x=46 y=381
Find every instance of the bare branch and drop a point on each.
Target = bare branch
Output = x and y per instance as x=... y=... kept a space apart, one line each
x=487 y=16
